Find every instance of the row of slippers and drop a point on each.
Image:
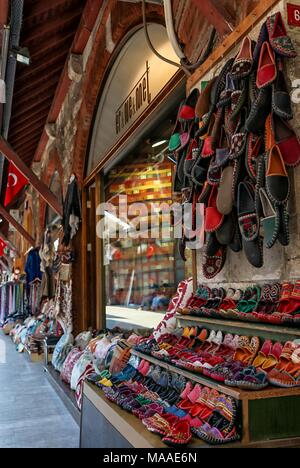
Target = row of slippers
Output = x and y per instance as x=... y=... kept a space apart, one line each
x=206 y=413
x=235 y=360
x=271 y=303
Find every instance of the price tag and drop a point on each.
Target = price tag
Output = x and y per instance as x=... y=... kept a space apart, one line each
x=293 y=14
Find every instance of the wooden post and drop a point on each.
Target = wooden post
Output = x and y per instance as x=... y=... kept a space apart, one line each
x=100 y=271
x=84 y=318
x=11 y=220
x=37 y=184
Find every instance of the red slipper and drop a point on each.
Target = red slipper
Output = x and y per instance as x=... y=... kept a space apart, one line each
x=180 y=434
x=267 y=71
x=213 y=218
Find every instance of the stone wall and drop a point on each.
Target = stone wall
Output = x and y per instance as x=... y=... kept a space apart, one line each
x=279 y=263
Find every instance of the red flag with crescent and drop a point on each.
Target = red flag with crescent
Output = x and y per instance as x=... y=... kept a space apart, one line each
x=15 y=182
x=2 y=247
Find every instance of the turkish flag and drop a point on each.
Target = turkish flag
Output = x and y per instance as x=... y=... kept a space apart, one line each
x=2 y=247
x=15 y=182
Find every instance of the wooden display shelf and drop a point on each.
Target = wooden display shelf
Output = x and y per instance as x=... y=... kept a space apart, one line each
x=269 y=416
x=238 y=394
x=266 y=330
x=123 y=426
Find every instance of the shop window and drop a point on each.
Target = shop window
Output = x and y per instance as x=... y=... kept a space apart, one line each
x=142 y=262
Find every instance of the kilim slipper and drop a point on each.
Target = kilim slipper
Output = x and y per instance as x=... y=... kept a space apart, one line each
x=278 y=37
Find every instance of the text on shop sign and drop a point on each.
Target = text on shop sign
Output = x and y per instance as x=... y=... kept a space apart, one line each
x=138 y=98
x=293 y=14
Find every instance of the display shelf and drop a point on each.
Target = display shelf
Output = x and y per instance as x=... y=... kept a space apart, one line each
x=122 y=426
x=266 y=330
x=34 y=357
x=270 y=417
x=238 y=394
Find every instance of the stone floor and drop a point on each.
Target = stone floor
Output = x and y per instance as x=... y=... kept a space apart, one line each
x=31 y=413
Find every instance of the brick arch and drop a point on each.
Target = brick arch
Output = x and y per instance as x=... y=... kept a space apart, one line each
x=54 y=164
x=124 y=18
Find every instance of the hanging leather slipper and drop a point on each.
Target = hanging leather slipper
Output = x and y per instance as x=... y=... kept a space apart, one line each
x=259 y=112
x=249 y=225
x=213 y=218
x=226 y=232
x=278 y=37
x=212 y=245
x=262 y=37
x=267 y=70
x=236 y=243
x=253 y=150
x=225 y=195
x=281 y=101
x=284 y=230
x=242 y=64
x=212 y=266
x=204 y=101
x=286 y=140
x=187 y=110
x=277 y=179
x=270 y=221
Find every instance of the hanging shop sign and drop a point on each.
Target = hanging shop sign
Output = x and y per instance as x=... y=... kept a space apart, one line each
x=134 y=81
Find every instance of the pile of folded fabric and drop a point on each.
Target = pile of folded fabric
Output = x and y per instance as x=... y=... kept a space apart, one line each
x=171 y=406
x=232 y=145
x=271 y=303
x=231 y=359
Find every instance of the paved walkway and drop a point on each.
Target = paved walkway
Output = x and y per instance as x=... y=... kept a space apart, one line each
x=31 y=414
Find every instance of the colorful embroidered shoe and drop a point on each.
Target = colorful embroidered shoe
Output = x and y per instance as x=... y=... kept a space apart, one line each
x=278 y=37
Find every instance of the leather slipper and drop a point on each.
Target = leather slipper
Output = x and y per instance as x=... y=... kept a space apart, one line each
x=267 y=71
x=204 y=101
x=270 y=221
x=212 y=266
x=226 y=232
x=286 y=140
x=225 y=196
x=284 y=230
x=281 y=101
x=277 y=179
x=242 y=64
x=249 y=225
x=259 y=112
x=213 y=218
x=278 y=37
x=187 y=110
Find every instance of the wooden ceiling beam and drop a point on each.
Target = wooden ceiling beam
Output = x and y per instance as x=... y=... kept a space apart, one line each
x=36 y=183
x=28 y=85
x=53 y=59
x=20 y=129
x=11 y=220
x=32 y=103
x=41 y=103
x=43 y=8
x=217 y=15
x=24 y=120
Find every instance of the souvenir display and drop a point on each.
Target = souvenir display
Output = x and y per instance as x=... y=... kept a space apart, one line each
x=233 y=147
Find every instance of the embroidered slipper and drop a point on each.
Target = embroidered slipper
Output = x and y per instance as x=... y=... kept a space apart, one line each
x=267 y=71
x=226 y=232
x=236 y=244
x=179 y=434
x=263 y=354
x=187 y=110
x=270 y=221
x=242 y=64
x=284 y=230
x=278 y=37
x=286 y=140
x=213 y=218
x=262 y=37
x=259 y=112
x=249 y=225
x=213 y=265
x=281 y=100
x=253 y=150
x=273 y=357
x=225 y=196
x=204 y=101
x=277 y=179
